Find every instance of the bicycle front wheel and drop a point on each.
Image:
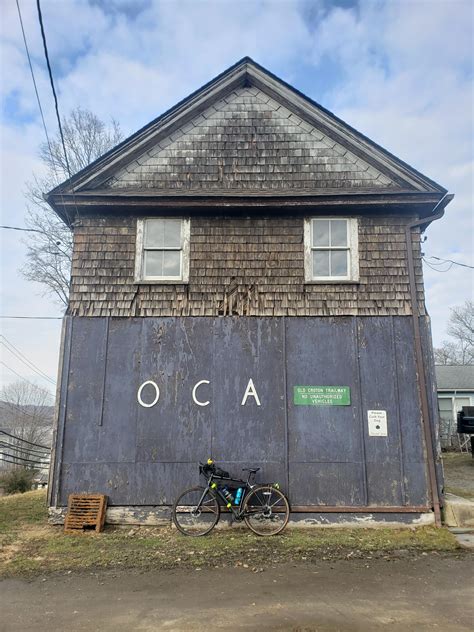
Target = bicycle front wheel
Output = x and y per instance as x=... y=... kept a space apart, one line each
x=196 y=511
x=266 y=510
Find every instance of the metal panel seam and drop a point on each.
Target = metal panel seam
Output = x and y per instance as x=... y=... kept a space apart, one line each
x=361 y=407
x=397 y=390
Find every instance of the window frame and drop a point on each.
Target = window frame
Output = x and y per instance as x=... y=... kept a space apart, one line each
x=352 y=249
x=140 y=250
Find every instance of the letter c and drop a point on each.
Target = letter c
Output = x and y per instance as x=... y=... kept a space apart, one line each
x=196 y=401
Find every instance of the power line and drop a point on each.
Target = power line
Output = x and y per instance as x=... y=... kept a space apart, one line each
x=28 y=366
x=35 y=317
x=29 y=451
x=456 y=263
x=27 y=230
x=21 y=356
x=14 y=459
x=437 y=269
x=34 y=83
x=38 y=445
x=43 y=36
x=18 y=375
x=53 y=161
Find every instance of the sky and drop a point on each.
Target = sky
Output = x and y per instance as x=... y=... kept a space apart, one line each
x=400 y=72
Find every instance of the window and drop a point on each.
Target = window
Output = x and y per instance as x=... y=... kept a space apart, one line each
x=162 y=250
x=331 y=252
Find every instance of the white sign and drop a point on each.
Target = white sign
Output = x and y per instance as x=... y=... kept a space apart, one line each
x=377 y=423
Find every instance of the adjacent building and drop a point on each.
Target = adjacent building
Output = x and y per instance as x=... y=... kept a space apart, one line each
x=455 y=389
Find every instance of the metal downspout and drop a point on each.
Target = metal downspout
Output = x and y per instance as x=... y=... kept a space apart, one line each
x=437 y=213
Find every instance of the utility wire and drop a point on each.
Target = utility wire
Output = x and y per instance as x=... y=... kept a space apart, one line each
x=34 y=83
x=8 y=344
x=20 y=448
x=456 y=263
x=28 y=366
x=27 y=230
x=24 y=458
x=53 y=161
x=48 y=142
x=21 y=356
x=43 y=36
x=15 y=460
x=38 y=445
x=437 y=269
x=18 y=375
x=35 y=317
x=29 y=451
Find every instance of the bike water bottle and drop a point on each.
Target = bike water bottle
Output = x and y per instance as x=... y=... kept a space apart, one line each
x=238 y=496
x=228 y=497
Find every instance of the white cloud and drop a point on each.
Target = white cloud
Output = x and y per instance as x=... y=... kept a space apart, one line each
x=399 y=72
x=406 y=82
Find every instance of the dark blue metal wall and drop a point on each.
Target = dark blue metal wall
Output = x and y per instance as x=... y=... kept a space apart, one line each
x=322 y=455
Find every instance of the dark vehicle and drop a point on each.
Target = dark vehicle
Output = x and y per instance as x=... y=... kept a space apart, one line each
x=263 y=508
x=466 y=423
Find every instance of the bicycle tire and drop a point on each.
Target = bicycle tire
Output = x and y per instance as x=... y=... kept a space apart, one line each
x=259 y=513
x=195 y=524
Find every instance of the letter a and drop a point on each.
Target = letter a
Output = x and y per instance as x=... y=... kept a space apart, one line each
x=250 y=392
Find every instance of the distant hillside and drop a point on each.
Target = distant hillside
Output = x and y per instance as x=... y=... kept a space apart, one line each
x=21 y=420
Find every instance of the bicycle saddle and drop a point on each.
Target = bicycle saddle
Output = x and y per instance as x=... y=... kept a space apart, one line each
x=251 y=469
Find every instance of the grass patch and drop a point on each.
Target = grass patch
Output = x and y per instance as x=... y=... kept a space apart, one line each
x=19 y=511
x=33 y=547
x=459 y=491
x=459 y=474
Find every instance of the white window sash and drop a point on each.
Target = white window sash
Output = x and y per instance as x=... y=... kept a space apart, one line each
x=141 y=249
x=352 y=248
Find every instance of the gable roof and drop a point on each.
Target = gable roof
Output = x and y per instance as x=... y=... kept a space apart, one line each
x=247 y=140
x=455 y=377
x=245 y=133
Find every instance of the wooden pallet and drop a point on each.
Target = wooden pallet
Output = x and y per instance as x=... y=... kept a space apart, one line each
x=85 y=510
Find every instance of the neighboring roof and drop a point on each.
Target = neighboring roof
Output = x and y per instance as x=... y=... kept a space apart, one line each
x=246 y=132
x=42 y=476
x=458 y=377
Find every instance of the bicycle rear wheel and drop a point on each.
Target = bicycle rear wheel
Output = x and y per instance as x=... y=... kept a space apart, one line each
x=266 y=510
x=192 y=519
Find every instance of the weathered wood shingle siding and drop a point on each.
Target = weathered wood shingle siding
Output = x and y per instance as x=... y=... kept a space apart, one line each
x=241 y=266
x=249 y=141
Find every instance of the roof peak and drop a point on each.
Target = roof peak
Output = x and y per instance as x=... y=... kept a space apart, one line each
x=246 y=73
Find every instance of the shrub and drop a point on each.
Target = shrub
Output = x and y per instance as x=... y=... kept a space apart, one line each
x=17 y=480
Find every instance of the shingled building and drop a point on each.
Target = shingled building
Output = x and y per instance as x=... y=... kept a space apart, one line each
x=247 y=284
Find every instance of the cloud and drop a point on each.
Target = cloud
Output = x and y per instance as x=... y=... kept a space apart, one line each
x=406 y=82
x=399 y=72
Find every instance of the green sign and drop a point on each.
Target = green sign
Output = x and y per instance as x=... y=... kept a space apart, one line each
x=322 y=395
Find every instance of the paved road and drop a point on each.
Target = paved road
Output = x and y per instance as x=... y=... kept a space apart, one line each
x=431 y=592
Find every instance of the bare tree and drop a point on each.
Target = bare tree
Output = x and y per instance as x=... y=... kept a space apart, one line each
x=461 y=328
x=448 y=354
x=49 y=247
x=26 y=412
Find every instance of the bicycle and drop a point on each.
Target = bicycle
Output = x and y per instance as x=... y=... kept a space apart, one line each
x=264 y=508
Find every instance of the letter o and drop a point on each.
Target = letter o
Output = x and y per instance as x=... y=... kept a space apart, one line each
x=157 y=394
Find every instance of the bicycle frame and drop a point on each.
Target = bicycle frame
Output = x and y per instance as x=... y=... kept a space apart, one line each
x=263 y=507
x=213 y=487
